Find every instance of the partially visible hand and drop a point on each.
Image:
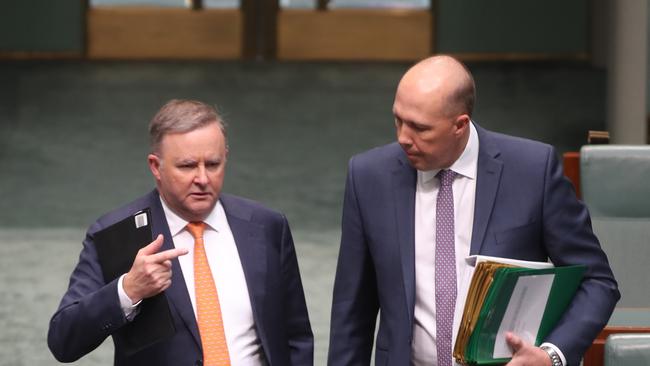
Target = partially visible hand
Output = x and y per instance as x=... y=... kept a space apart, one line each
x=525 y=354
x=151 y=272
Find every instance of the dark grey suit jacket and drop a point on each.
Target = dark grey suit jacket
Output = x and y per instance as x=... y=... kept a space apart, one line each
x=525 y=209
x=90 y=310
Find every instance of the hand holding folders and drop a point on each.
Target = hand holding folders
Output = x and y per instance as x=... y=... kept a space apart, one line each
x=525 y=298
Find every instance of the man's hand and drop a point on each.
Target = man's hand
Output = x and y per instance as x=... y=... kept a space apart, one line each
x=151 y=272
x=525 y=354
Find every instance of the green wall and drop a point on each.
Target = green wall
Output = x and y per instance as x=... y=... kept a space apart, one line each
x=42 y=26
x=521 y=26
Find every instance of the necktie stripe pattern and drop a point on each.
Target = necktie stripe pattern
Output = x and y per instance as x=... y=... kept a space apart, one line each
x=445 y=267
x=213 y=337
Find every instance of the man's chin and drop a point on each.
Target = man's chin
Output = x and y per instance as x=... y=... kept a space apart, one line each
x=200 y=209
x=417 y=162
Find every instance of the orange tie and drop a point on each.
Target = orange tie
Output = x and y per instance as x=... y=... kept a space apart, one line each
x=213 y=338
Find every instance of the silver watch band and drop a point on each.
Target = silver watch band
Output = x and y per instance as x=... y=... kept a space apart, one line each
x=555 y=358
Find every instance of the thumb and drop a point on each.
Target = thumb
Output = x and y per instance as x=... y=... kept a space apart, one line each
x=514 y=342
x=152 y=247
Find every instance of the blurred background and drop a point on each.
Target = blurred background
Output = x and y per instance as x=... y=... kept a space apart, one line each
x=303 y=85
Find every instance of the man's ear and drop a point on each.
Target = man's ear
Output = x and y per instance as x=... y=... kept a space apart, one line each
x=462 y=123
x=154 y=165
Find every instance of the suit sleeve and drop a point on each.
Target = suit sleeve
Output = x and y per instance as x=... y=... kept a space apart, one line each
x=570 y=240
x=89 y=311
x=355 y=301
x=299 y=334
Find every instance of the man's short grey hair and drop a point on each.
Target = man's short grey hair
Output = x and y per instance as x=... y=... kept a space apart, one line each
x=181 y=116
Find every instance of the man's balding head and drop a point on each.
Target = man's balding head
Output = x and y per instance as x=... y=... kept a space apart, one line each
x=432 y=109
x=447 y=76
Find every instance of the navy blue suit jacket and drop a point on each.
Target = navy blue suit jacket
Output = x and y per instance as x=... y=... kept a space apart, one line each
x=90 y=310
x=525 y=209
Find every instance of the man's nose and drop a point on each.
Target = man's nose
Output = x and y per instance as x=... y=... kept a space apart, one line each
x=403 y=137
x=201 y=177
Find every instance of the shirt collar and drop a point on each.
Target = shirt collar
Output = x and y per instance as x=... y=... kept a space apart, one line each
x=465 y=165
x=215 y=220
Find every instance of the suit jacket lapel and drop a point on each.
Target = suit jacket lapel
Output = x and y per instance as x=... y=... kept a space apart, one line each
x=249 y=239
x=177 y=294
x=404 y=181
x=487 y=184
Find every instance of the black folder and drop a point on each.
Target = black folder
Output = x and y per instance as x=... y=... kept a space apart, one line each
x=117 y=246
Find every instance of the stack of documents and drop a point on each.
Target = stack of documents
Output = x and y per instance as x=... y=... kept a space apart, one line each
x=526 y=298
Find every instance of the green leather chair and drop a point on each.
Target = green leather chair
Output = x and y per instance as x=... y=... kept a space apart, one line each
x=615 y=183
x=632 y=349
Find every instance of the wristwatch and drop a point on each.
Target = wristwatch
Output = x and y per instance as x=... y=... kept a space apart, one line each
x=555 y=358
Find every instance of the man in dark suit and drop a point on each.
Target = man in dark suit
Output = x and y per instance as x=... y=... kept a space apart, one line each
x=257 y=313
x=415 y=209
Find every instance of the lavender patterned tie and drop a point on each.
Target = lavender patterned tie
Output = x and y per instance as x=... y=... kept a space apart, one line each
x=445 y=267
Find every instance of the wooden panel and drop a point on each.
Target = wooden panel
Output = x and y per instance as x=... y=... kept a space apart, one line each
x=260 y=28
x=571 y=163
x=163 y=33
x=354 y=34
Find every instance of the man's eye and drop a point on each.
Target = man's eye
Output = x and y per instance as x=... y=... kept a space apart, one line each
x=214 y=165
x=416 y=127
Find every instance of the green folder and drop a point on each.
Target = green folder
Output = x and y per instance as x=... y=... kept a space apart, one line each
x=563 y=282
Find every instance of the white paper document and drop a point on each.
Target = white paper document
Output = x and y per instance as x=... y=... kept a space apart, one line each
x=524 y=313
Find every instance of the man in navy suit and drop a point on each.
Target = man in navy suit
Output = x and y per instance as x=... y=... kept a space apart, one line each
x=248 y=247
x=508 y=198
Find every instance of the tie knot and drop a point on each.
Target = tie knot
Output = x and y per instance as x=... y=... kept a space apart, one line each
x=446 y=177
x=196 y=229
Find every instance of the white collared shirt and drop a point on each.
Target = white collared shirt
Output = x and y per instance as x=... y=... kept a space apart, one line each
x=464 y=189
x=244 y=346
x=243 y=343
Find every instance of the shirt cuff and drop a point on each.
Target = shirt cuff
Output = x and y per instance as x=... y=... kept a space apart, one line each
x=128 y=307
x=557 y=350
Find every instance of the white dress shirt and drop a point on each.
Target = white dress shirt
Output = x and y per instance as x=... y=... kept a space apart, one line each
x=244 y=346
x=464 y=188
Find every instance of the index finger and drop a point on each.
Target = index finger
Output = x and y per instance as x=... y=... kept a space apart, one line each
x=168 y=254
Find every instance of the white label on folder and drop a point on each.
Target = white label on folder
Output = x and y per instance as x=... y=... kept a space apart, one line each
x=524 y=312
x=141 y=220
